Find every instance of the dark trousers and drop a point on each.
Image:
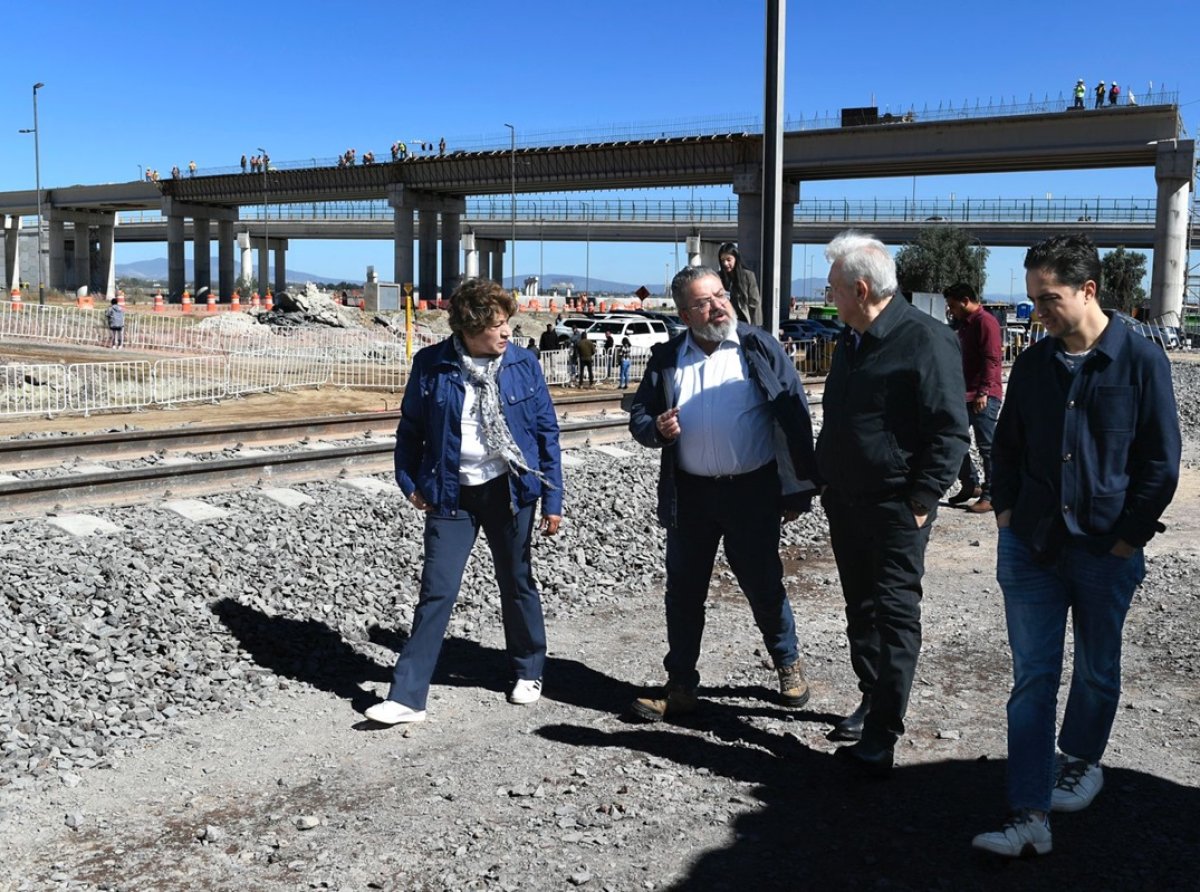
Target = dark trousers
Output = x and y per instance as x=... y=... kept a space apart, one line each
x=448 y=542
x=880 y=556
x=745 y=511
x=585 y=364
x=984 y=425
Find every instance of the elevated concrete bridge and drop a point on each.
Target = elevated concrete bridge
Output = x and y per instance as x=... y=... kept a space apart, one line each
x=434 y=188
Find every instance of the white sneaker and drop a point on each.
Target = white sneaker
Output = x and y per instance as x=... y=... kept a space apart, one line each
x=1022 y=834
x=1076 y=785
x=526 y=691
x=389 y=712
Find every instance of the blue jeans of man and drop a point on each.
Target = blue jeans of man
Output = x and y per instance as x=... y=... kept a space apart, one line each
x=745 y=512
x=984 y=425
x=880 y=554
x=448 y=543
x=1097 y=589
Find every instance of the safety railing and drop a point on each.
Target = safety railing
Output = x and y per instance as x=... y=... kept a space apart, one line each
x=106 y=386
x=33 y=389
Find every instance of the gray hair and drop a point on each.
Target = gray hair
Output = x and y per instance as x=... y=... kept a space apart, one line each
x=682 y=283
x=864 y=257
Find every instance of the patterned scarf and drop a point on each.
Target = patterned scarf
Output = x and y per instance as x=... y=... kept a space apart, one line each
x=496 y=435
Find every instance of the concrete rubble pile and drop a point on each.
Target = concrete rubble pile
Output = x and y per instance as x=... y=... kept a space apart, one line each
x=309 y=306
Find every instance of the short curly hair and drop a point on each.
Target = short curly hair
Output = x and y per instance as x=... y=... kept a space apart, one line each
x=475 y=304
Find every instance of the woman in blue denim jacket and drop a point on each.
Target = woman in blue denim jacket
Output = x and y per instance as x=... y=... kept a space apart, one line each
x=477 y=447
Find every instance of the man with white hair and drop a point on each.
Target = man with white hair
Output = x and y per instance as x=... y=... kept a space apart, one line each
x=724 y=404
x=893 y=437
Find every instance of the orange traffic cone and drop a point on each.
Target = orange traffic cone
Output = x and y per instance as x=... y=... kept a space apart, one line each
x=120 y=298
x=186 y=303
x=15 y=297
x=235 y=303
x=159 y=304
x=254 y=303
x=268 y=302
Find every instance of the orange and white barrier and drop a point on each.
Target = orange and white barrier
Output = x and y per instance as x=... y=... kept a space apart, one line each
x=254 y=301
x=212 y=302
x=235 y=303
x=186 y=303
x=268 y=302
x=160 y=305
x=15 y=297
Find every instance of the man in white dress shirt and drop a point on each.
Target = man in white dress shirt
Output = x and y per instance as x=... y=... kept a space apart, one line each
x=724 y=404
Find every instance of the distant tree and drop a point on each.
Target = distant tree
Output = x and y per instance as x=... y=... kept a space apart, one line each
x=940 y=257
x=1122 y=272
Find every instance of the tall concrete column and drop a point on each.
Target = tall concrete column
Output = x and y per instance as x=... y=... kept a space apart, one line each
x=82 y=273
x=747 y=184
x=12 y=255
x=497 y=253
x=470 y=256
x=1168 y=278
x=281 y=265
x=264 y=260
x=787 y=227
x=247 y=271
x=427 y=244
x=57 y=232
x=202 y=254
x=107 y=267
x=176 y=270
x=402 y=235
x=225 y=278
x=451 y=248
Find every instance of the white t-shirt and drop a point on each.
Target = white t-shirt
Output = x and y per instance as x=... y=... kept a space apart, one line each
x=476 y=464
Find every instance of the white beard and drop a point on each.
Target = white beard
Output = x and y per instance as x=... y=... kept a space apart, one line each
x=714 y=333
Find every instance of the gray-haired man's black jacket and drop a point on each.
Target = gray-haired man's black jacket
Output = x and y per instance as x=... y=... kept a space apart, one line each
x=894 y=423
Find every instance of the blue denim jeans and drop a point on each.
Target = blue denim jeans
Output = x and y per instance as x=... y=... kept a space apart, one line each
x=746 y=514
x=984 y=425
x=624 y=373
x=448 y=543
x=1097 y=589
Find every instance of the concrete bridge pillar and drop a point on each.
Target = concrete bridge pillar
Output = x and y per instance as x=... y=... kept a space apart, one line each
x=202 y=254
x=1173 y=171
x=264 y=260
x=12 y=255
x=470 y=256
x=451 y=251
x=57 y=232
x=82 y=271
x=427 y=226
x=106 y=261
x=247 y=266
x=402 y=229
x=791 y=194
x=280 y=265
x=176 y=269
x=225 y=279
x=747 y=185
x=497 y=262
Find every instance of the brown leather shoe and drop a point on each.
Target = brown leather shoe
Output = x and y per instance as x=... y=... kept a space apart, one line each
x=672 y=701
x=983 y=506
x=793 y=686
x=965 y=495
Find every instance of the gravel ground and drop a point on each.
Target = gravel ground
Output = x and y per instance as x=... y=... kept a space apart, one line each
x=180 y=709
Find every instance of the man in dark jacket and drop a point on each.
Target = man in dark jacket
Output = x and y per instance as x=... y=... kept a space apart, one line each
x=586 y=349
x=1086 y=460
x=740 y=285
x=894 y=434
x=549 y=339
x=723 y=403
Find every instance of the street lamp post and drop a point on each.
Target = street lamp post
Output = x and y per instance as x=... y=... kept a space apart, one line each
x=262 y=153
x=513 y=198
x=37 y=172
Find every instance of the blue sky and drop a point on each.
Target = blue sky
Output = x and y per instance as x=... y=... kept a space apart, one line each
x=158 y=84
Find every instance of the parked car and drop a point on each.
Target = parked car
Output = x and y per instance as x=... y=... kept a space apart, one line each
x=674 y=323
x=570 y=325
x=642 y=332
x=807 y=328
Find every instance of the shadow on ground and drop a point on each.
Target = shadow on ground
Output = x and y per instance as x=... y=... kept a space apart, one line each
x=820 y=825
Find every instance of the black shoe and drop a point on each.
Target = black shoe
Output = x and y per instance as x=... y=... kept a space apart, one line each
x=965 y=495
x=851 y=727
x=873 y=761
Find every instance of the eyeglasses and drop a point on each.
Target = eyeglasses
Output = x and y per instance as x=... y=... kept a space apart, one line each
x=704 y=305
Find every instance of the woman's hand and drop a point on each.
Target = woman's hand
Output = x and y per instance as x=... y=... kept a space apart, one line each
x=419 y=502
x=550 y=523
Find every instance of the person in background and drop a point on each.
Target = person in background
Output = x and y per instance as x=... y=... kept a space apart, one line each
x=586 y=349
x=625 y=358
x=740 y=285
x=1086 y=460
x=548 y=339
x=476 y=448
x=1080 y=92
x=1100 y=91
x=115 y=317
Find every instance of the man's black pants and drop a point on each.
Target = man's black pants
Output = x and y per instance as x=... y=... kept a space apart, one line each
x=880 y=555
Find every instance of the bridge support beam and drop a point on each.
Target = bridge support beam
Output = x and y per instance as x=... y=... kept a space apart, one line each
x=281 y=265
x=58 y=255
x=747 y=185
x=1173 y=170
x=106 y=267
x=202 y=255
x=427 y=223
x=247 y=266
x=451 y=251
x=225 y=279
x=176 y=269
x=470 y=256
x=81 y=273
x=12 y=255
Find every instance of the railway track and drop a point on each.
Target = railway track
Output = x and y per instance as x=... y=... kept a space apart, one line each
x=169 y=471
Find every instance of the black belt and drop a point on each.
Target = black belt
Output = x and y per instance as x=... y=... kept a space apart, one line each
x=757 y=473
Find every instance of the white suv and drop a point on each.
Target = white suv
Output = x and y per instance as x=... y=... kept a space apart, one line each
x=642 y=332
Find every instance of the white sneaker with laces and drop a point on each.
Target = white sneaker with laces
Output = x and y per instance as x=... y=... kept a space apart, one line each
x=1076 y=785
x=1022 y=834
x=389 y=712
x=526 y=691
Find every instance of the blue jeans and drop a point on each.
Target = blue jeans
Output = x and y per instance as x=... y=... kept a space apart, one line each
x=984 y=425
x=746 y=513
x=1097 y=589
x=448 y=543
x=624 y=373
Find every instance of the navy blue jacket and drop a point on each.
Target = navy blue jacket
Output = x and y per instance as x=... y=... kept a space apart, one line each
x=1099 y=450
x=429 y=436
x=773 y=372
x=894 y=419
